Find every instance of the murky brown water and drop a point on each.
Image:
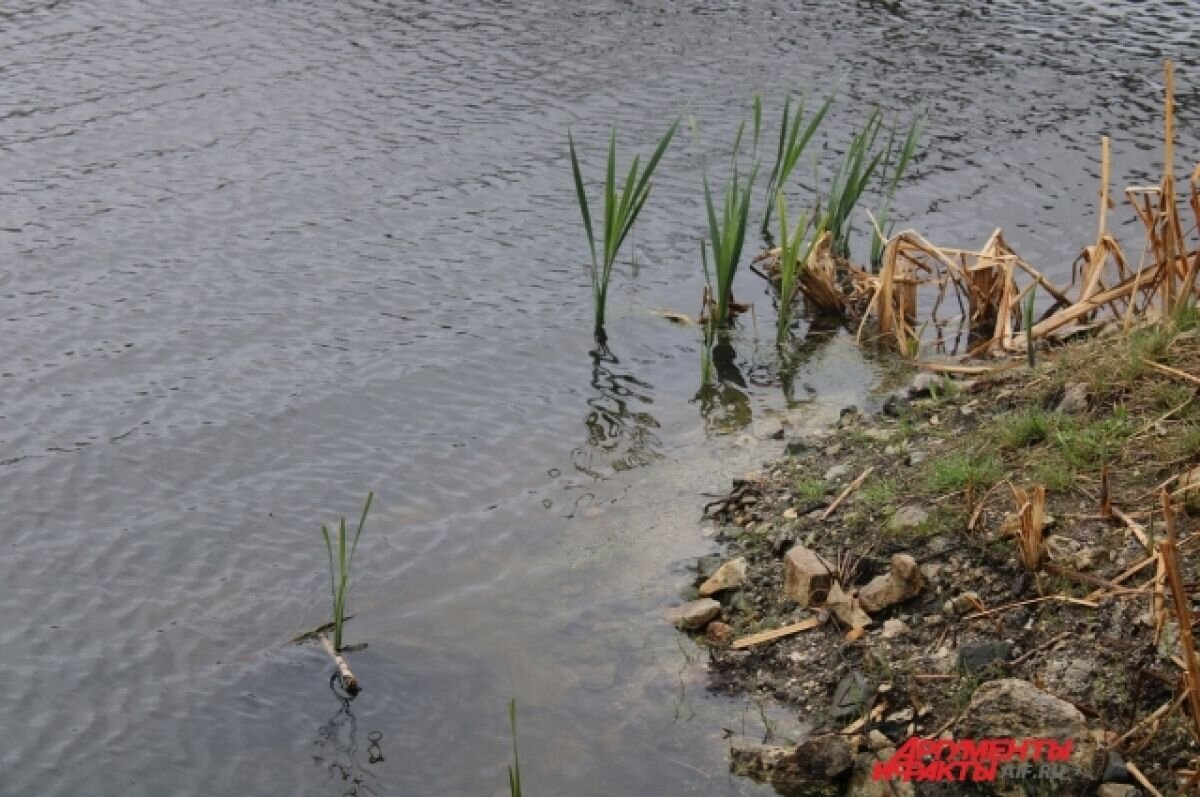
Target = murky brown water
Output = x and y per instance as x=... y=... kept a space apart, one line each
x=261 y=257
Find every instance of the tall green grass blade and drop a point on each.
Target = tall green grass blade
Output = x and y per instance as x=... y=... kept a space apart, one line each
x=581 y=196
x=514 y=771
x=622 y=205
x=340 y=566
x=792 y=143
x=907 y=151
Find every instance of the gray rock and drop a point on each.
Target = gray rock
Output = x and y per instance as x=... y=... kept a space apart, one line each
x=836 y=472
x=916 y=457
x=1117 y=790
x=976 y=656
x=805 y=771
x=694 y=615
x=730 y=575
x=1075 y=398
x=1114 y=769
x=893 y=628
x=1013 y=709
x=924 y=384
x=862 y=784
x=907 y=518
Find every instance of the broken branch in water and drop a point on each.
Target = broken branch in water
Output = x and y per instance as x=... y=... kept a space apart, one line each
x=349 y=681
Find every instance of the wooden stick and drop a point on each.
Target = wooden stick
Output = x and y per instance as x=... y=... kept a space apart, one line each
x=1048 y=643
x=1137 y=774
x=1007 y=606
x=1155 y=716
x=1175 y=372
x=851 y=487
x=349 y=682
x=778 y=633
x=1135 y=528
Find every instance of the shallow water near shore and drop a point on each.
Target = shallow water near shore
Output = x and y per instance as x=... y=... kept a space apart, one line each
x=260 y=258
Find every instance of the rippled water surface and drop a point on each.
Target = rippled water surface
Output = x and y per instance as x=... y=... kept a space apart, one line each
x=259 y=258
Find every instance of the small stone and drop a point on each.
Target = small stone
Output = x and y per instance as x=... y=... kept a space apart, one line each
x=806 y=576
x=896 y=405
x=923 y=384
x=790 y=514
x=730 y=575
x=742 y=604
x=975 y=656
x=846 y=608
x=893 y=628
x=718 y=634
x=907 y=518
x=877 y=741
x=694 y=615
x=836 y=472
x=904 y=581
x=967 y=602
x=1075 y=398
x=916 y=457
x=1114 y=769
x=1117 y=790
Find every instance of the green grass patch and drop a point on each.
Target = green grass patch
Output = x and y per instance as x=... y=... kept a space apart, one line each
x=1087 y=446
x=877 y=493
x=809 y=490
x=1024 y=429
x=965 y=469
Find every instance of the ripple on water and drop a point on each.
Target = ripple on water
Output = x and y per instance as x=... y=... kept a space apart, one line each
x=263 y=257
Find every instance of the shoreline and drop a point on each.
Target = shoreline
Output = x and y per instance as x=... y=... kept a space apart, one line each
x=920 y=616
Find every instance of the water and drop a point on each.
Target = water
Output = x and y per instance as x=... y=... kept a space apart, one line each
x=262 y=257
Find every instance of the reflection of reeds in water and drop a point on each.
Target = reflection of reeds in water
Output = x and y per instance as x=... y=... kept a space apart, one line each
x=620 y=434
x=723 y=397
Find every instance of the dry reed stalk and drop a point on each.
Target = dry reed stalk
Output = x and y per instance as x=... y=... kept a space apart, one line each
x=1183 y=613
x=1032 y=513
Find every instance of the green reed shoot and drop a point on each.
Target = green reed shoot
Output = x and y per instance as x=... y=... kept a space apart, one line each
x=794 y=250
x=850 y=181
x=907 y=150
x=339 y=570
x=727 y=231
x=514 y=771
x=792 y=142
x=621 y=208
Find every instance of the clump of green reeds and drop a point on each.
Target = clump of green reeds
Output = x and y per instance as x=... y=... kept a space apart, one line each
x=792 y=142
x=621 y=208
x=860 y=163
x=514 y=770
x=727 y=231
x=795 y=247
x=907 y=150
x=339 y=569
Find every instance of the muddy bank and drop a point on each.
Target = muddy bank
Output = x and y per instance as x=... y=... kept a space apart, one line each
x=883 y=556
